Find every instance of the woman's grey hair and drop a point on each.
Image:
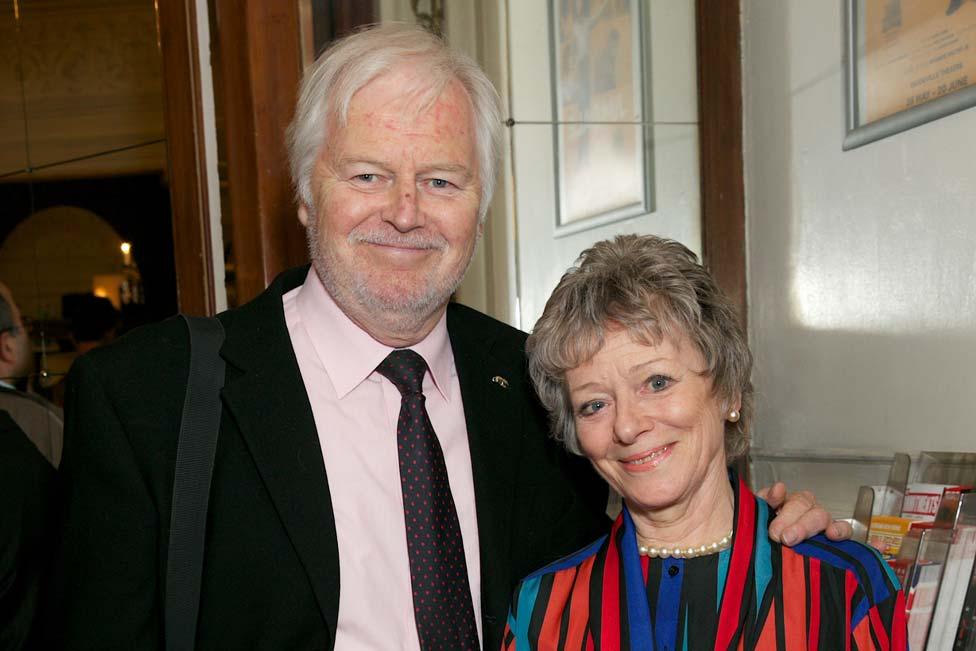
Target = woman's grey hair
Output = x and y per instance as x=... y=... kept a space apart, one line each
x=651 y=288
x=354 y=61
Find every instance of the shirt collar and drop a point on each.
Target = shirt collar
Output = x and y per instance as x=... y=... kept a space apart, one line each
x=350 y=355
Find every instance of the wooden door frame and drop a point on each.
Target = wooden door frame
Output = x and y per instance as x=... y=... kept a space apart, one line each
x=719 y=29
x=186 y=157
x=257 y=70
x=720 y=135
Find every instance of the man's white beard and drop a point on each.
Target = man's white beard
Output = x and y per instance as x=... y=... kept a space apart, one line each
x=396 y=311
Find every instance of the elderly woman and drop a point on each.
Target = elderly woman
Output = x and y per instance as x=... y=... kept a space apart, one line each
x=642 y=365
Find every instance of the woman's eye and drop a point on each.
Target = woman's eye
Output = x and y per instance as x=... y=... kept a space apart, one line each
x=592 y=407
x=659 y=382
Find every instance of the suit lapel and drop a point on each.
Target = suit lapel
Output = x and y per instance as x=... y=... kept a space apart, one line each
x=492 y=413
x=266 y=396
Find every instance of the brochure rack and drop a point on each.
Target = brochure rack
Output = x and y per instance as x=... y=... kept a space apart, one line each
x=919 y=511
x=936 y=511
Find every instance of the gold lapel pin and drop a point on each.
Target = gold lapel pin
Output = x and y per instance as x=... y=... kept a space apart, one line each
x=500 y=381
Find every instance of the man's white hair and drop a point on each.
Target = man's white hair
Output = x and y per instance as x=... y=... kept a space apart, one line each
x=354 y=61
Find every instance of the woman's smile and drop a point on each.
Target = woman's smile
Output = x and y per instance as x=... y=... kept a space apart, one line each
x=647 y=461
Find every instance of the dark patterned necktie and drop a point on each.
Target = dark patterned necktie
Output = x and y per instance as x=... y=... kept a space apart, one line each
x=438 y=574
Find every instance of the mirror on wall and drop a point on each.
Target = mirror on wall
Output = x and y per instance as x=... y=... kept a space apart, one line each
x=86 y=245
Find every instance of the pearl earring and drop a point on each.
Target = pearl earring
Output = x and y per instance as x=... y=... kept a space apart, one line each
x=733 y=416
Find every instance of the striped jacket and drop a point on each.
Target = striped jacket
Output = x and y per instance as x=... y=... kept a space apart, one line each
x=755 y=595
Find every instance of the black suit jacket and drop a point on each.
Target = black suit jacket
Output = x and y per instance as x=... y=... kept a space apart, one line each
x=26 y=506
x=271 y=571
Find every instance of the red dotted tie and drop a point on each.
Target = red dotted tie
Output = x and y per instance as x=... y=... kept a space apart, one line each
x=438 y=574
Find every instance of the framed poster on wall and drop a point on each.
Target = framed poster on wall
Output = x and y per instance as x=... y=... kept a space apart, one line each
x=600 y=101
x=545 y=243
x=908 y=62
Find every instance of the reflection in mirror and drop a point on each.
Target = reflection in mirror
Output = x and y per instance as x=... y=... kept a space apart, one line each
x=66 y=266
x=92 y=82
x=13 y=140
x=82 y=171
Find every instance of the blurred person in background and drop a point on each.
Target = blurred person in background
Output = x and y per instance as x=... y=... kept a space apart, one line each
x=39 y=419
x=94 y=323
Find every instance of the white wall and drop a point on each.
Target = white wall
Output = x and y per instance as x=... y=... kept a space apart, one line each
x=862 y=264
x=539 y=251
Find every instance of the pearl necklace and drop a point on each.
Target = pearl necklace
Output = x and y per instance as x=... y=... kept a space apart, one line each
x=686 y=552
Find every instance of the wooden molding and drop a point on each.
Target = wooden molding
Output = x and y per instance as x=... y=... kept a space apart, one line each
x=720 y=119
x=257 y=69
x=722 y=182
x=186 y=157
x=87 y=81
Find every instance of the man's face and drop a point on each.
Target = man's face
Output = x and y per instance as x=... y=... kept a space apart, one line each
x=396 y=194
x=14 y=343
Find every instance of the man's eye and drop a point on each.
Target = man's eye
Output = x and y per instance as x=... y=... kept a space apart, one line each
x=440 y=184
x=366 y=178
x=659 y=382
x=592 y=407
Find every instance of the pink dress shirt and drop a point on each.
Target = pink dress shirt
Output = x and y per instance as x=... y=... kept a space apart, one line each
x=355 y=411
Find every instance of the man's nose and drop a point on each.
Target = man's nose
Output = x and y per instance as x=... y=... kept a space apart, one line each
x=406 y=209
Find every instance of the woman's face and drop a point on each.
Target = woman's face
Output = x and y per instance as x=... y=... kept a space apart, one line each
x=647 y=420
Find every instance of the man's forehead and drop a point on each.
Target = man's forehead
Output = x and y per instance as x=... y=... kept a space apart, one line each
x=438 y=117
x=410 y=95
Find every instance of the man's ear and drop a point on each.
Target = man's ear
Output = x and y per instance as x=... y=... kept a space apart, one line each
x=303 y=214
x=7 y=352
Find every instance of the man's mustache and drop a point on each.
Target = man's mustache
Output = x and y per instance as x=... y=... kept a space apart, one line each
x=412 y=240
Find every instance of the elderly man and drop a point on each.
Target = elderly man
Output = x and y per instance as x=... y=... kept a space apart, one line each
x=30 y=449
x=383 y=475
x=39 y=419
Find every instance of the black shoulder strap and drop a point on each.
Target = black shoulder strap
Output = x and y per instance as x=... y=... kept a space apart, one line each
x=191 y=485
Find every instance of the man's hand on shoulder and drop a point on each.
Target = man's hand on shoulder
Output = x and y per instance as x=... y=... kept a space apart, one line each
x=800 y=517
